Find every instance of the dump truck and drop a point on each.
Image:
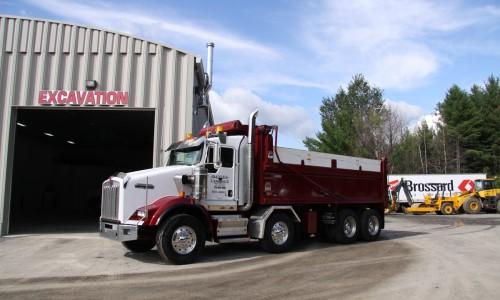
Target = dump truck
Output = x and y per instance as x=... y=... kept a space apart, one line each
x=232 y=183
x=484 y=195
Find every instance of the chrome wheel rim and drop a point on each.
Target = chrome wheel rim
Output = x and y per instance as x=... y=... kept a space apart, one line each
x=373 y=225
x=279 y=233
x=350 y=226
x=184 y=240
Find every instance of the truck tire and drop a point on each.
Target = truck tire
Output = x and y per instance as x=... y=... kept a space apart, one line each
x=347 y=228
x=370 y=225
x=472 y=206
x=139 y=245
x=498 y=204
x=180 y=239
x=447 y=209
x=279 y=233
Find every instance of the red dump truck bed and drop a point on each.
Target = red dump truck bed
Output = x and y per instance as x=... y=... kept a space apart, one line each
x=294 y=177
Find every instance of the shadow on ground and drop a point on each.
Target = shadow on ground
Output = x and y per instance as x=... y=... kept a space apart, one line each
x=228 y=252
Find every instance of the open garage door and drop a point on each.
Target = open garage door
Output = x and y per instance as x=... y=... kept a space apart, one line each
x=61 y=158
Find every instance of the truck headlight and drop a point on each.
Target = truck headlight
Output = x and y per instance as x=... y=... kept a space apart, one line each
x=141 y=213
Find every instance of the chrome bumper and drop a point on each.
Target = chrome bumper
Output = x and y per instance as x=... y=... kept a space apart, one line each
x=118 y=232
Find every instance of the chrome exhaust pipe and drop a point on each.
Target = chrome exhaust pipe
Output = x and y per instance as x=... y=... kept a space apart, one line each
x=250 y=161
x=210 y=61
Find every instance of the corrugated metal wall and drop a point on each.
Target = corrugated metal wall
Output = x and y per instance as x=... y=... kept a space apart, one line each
x=46 y=55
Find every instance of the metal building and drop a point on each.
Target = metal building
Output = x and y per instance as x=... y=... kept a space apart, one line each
x=76 y=105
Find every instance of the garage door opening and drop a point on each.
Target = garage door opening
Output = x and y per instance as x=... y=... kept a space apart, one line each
x=61 y=158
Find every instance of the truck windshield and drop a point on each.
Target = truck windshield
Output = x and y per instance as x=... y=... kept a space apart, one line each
x=185 y=156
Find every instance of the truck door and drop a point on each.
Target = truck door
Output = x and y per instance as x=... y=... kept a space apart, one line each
x=221 y=180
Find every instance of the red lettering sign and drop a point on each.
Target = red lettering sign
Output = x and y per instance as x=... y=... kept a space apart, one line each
x=42 y=97
x=79 y=98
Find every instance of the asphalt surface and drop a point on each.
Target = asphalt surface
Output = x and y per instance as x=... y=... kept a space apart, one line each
x=417 y=257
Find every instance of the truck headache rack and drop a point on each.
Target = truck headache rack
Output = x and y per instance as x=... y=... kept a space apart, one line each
x=110 y=197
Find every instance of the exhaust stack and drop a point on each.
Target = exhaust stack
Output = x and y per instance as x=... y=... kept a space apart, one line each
x=210 y=61
x=250 y=161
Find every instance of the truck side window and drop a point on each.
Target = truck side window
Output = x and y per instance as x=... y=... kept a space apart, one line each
x=227 y=157
x=210 y=164
x=210 y=155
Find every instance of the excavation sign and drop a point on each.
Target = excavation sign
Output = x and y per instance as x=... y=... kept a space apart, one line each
x=82 y=98
x=420 y=185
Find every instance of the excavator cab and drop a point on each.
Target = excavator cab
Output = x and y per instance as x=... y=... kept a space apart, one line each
x=484 y=184
x=488 y=191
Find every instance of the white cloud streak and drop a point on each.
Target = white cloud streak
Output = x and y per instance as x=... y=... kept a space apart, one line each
x=389 y=41
x=134 y=20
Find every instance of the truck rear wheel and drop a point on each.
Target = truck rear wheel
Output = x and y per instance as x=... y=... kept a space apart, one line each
x=348 y=227
x=180 y=239
x=139 y=245
x=279 y=233
x=447 y=208
x=472 y=206
x=370 y=225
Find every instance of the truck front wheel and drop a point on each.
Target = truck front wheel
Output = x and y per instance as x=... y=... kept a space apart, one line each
x=279 y=233
x=180 y=239
x=139 y=245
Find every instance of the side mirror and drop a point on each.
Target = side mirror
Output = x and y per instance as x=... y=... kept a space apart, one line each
x=216 y=158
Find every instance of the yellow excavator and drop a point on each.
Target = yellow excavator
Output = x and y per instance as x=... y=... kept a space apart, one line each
x=485 y=195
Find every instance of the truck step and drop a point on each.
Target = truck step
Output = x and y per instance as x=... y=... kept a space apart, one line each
x=235 y=240
x=231 y=225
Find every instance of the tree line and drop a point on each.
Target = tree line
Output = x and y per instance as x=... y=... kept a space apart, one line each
x=358 y=121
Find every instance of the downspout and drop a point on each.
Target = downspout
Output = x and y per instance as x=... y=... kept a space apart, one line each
x=250 y=161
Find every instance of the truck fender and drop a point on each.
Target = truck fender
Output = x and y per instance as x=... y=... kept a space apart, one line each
x=257 y=222
x=182 y=207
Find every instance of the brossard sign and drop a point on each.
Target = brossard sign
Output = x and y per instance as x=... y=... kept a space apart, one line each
x=420 y=185
x=83 y=98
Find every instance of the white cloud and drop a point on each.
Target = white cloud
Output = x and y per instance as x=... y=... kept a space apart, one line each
x=238 y=103
x=415 y=115
x=403 y=69
x=268 y=78
x=409 y=112
x=432 y=120
x=138 y=21
x=390 y=41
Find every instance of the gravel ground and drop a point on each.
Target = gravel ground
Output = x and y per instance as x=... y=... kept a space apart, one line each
x=417 y=257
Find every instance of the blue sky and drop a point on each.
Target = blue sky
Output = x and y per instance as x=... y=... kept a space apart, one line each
x=285 y=56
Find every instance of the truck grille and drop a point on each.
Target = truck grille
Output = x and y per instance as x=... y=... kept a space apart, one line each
x=110 y=198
